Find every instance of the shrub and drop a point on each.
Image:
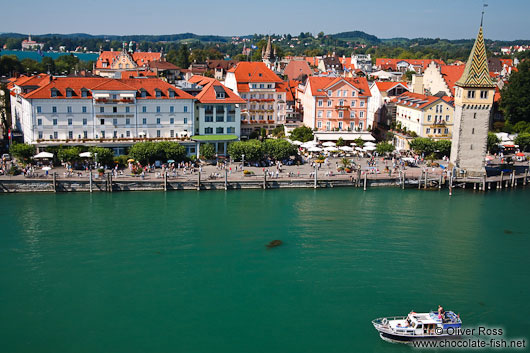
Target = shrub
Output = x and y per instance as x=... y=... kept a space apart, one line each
x=22 y=151
x=207 y=151
x=302 y=133
x=105 y=156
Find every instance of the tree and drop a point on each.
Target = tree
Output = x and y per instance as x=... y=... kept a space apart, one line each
x=340 y=142
x=183 y=57
x=172 y=56
x=359 y=142
x=521 y=126
x=22 y=151
x=422 y=145
x=167 y=150
x=384 y=147
x=278 y=131
x=143 y=152
x=515 y=96
x=279 y=149
x=442 y=148
x=69 y=154
x=493 y=143
x=252 y=150
x=207 y=151
x=523 y=140
x=302 y=133
x=408 y=75
x=105 y=156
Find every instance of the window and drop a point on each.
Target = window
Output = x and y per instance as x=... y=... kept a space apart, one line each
x=158 y=95
x=361 y=104
x=208 y=130
x=328 y=125
x=340 y=125
x=230 y=130
x=261 y=85
x=144 y=109
x=127 y=122
x=447 y=118
x=85 y=134
x=320 y=103
x=70 y=134
x=352 y=115
x=102 y=134
x=83 y=109
x=55 y=135
x=230 y=118
x=446 y=131
x=353 y=103
x=102 y=109
x=471 y=94
x=329 y=93
x=128 y=133
x=185 y=109
x=54 y=122
x=127 y=109
x=360 y=126
x=158 y=109
x=329 y=103
x=171 y=94
x=144 y=94
x=144 y=121
x=54 y=93
x=353 y=93
x=115 y=122
x=341 y=102
x=171 y=109
x=428 y=130
x=328 y=114
x=352 y=126
x=54 y=109
x=219 y=130
x=157 y=121
x=208 y=119
x=39 y=109
x=85 y=121
x=84 y=93
x=69 y=121
x=172 y=120
x=114 y=96
x=483 y=94
x=341 y=114
x=219 y=118
x=171 y=133
x=114 y=109
x=115 y=134
x=40 y=135
x=429 y=118
x=339 y=93
x=319 y=114
x=157 y=132
x=361 y=114
x=319 y=124
x=185 y=120
x=39 y=122
x=102 y=121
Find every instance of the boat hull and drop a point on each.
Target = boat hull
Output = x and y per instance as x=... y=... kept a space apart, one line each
x=407 y=339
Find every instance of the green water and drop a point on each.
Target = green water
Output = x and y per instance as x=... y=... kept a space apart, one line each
x=189 y=271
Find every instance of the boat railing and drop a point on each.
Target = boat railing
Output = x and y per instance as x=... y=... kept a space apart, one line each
x=382 y=324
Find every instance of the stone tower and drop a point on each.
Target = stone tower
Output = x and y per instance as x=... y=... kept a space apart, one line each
x=474 y=93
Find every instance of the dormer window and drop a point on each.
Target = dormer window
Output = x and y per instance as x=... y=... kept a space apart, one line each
x=54 y=92
x=329 y=93
x=143 y=93
x=69 y=92
x=171 y=93
x=220 y=95
x=158 y=93
x=84 y=92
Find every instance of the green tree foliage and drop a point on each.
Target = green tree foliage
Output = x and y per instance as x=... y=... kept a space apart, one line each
x=340 y=142
x=278 y=131
x=105 y=156
x=408 y=74
x=22 y=151
x=69 y=154
x=149 y=152
x=523 y=140
x=279 y=149
x=493 y=142
x=521 y=126
x=172 y=56
x=443 y=147
x=515 y=96
x=9 y=65
x=359 y=142
x=207 y=151
x=252 y=150
x=183 y=57
x=428 y=146
x=384 y=147
x=302 y=133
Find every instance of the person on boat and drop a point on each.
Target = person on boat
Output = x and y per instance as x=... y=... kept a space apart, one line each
x=441 y=312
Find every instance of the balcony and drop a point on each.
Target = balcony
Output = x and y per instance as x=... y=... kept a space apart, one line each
x=342 y=107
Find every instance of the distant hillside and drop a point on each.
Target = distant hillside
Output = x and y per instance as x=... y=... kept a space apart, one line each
x=127 y=38
x=357 y=36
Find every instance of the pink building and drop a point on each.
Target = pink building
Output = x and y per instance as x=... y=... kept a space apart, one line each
x=335 y=103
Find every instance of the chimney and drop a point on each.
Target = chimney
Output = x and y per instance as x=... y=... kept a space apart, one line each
x=417 y=84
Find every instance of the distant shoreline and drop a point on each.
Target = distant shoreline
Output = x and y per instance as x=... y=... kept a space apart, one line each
x=23 y=54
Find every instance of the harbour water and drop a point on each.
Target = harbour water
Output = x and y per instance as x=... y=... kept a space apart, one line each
x=54 y=55
x=190 y=272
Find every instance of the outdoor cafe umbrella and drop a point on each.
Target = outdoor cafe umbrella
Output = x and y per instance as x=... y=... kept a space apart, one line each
x=170 y=161
x=368 y=143
x=314 y=149
x=359 y=149
x=346 y=148
x=329 y=144
x=130 y=160
x=308 y=144
x=85 y=155
x=46 y=168
x=369 y=148
x=43 y=155
x=297 y=143
x=330 y=149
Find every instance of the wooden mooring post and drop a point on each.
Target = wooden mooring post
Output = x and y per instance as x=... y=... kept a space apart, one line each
x=199 y=181
x=265 y=181
x=450 y=183
x=513 y=178
x=403 y=181
x=419 y=180
x=226 y=179
x=440 y=181
x=54 y=182
x=525 y=176
x=90 y=180
x=315 y=180
x=110 y=182
x=165 y=180
x=425 y=185
x=365 y=176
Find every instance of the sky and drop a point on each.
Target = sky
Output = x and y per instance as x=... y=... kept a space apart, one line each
x=451 y=19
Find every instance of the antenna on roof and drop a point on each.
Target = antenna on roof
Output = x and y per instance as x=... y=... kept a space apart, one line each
x=484 y=5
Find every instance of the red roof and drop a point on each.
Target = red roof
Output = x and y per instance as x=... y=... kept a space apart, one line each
x=253 y=72
x=296 y=68
x=384 y=86
x=320 y=84
x=201 y=80
x=78 y=84
x=451 y=74
x=419 y=101
x=208 y=94
x=140 y=58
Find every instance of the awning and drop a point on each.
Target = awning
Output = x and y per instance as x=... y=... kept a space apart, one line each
x=214 y=138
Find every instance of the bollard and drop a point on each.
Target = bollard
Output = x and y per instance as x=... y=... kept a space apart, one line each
x=474 y=186
x=365 y=175
x=90 y=180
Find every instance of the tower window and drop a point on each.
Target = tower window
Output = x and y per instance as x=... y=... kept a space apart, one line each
x=470 y=94
x=483 y=94
x=473 y=131
x=474 y=115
